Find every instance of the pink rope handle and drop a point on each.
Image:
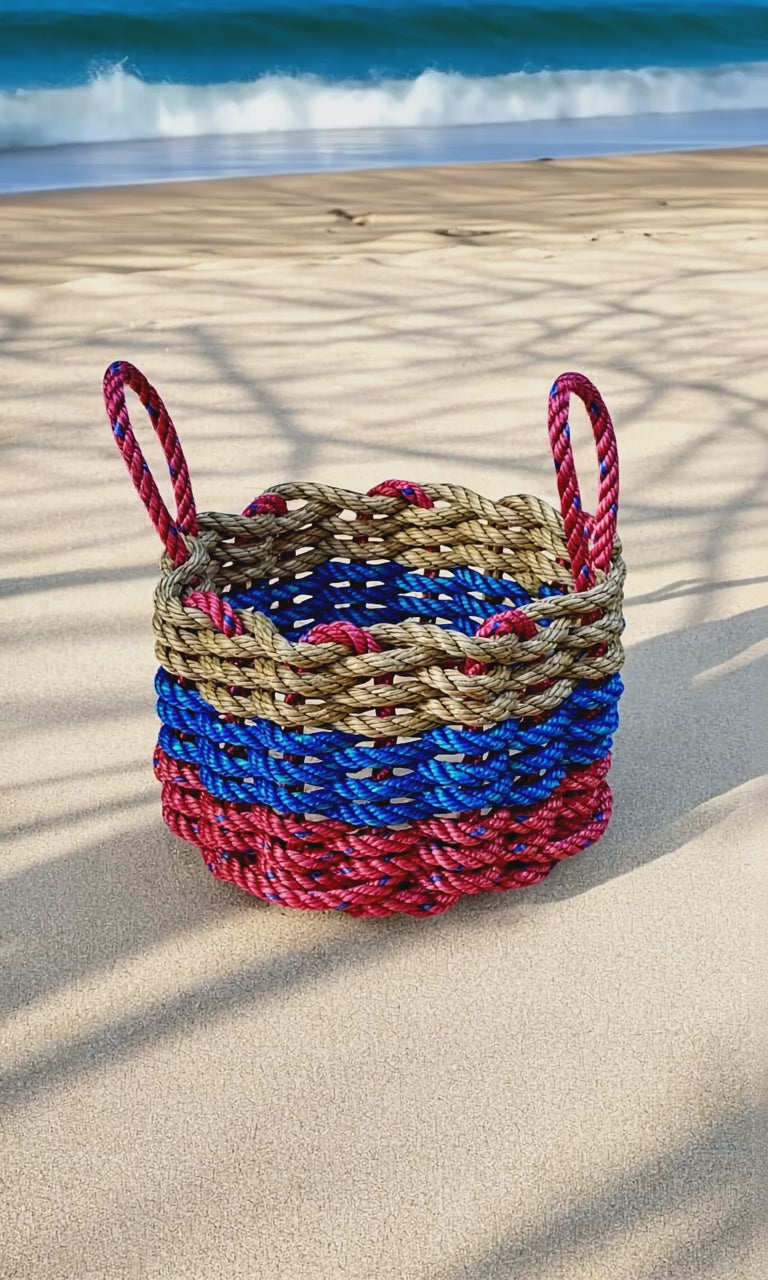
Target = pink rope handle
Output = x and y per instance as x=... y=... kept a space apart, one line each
x=589 y=538
x=117 y=377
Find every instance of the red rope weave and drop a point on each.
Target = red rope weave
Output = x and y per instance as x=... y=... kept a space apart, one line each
x=221 y=613
x=369 y=871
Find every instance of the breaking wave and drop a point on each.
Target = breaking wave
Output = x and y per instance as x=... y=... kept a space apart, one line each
x=117 y=106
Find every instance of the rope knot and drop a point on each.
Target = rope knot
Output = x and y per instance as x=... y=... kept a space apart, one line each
x=356 y=638
x=221 y=614
x=267 y=504
x=402 y=489
x=501 y=624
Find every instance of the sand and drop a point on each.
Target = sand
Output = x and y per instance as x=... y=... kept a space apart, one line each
x=564 y=1083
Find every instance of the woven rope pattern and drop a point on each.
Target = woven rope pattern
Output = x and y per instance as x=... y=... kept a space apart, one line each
x=378 y=702
x=260 y=673
x=366 y=595
x=422 y=869
x=334 y=774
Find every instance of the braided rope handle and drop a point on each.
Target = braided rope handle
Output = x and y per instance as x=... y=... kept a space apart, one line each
x=117 y=377
x=589 y=538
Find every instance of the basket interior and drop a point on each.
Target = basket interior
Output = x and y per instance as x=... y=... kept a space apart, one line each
x=453 y=565
x=365 y=593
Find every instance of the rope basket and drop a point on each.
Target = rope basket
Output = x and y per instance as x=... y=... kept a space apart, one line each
x=379 y=702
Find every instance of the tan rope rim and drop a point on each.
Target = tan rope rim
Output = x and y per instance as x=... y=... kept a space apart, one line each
x=250 y=675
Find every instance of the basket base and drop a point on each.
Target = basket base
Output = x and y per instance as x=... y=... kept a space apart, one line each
x=421 y=869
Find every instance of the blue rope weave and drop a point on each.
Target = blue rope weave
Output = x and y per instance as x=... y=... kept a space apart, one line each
x=365 y=594
x=513 y=763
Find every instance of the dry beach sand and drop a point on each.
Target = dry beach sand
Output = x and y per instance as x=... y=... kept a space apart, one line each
x=559 y=1084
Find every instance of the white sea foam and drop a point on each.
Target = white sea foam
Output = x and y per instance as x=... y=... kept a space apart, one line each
x=116 y=106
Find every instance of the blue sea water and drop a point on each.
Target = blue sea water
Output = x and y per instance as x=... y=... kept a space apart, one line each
x=121 y=90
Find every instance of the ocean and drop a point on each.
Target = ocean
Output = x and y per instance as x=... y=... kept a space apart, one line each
x=112 y=91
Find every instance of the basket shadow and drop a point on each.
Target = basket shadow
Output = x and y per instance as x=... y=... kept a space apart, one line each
x=693 y=729
x=134 y=894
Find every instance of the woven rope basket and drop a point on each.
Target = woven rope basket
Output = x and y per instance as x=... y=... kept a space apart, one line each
x=379 y=702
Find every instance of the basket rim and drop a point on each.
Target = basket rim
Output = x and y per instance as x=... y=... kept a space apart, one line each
x=453 y=495
x=173 y=586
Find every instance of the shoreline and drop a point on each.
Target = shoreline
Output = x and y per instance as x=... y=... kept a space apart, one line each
x=199 y=159
x=60 y=235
